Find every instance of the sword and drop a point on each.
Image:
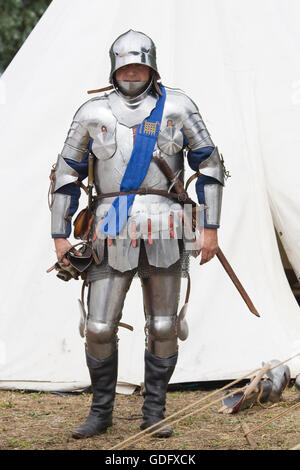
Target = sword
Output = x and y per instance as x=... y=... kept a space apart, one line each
x=178 y=186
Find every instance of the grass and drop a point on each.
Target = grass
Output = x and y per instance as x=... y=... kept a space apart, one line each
x=45 y=421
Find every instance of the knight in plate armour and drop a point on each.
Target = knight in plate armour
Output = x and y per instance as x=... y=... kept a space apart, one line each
x=137 y=220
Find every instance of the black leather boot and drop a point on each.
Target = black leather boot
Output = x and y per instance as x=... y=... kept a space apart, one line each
x=104 y=379
x=158 y=372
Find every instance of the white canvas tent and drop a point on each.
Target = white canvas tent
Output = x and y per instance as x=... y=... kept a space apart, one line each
x=239 y=61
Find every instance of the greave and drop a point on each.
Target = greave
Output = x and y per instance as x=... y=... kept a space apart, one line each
x=158 y=372
x=103 y=375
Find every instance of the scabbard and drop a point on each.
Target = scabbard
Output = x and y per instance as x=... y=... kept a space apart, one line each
x=225 y=263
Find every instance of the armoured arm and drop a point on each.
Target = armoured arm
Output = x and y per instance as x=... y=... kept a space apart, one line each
x=72 y=166
x=204 y=157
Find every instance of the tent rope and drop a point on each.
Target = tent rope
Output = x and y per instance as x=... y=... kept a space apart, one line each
x=145 y=433
x=272 y=419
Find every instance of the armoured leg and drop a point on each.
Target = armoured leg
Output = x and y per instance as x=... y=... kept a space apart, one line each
x=161 y=295
x=105 y=304
x=106 y=299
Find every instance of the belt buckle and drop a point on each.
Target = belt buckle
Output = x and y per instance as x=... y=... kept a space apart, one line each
x=182 y=197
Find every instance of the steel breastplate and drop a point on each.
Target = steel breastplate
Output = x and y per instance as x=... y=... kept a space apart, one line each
x=113 y=145
x=131 y=112
x=109 y=170
x=113 y=142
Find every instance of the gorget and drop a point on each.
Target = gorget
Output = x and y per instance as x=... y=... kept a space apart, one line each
x=132 y=111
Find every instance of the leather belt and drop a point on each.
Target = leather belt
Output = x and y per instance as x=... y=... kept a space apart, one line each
x=181 y=198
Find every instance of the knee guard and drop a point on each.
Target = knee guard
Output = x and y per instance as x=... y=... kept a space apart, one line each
x=161 y=335
x=101 y=339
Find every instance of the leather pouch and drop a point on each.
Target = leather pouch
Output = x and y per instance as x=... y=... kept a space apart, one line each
x=82 y=224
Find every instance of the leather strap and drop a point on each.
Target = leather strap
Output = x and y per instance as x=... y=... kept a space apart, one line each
x=181 y=198
x=51 y=186
x=188 y=289
x=82 y=186
x=191 y=178
x=110 y=87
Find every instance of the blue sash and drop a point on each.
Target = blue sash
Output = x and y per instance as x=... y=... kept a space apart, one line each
x=136 y=170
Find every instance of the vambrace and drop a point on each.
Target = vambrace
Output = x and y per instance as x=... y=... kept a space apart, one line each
x=65 y=204
x=204 y=157
x=213 y=200
x=66 y=195
x=71 y=166
x=209 y=188
x=59 y=215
